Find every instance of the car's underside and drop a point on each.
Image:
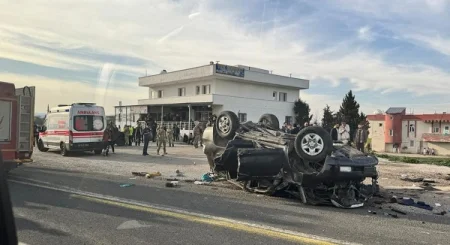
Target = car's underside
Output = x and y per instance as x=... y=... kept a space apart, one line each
x=262 y=159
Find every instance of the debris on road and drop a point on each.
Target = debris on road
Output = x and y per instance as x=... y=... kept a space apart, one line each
x=428 y=181
x=201 y=182
x=371 y=212
x=172 y=184
x=208 y=177
x=126 y=185
x=151 y=175
x=405 y=177
x=437 y=204
x=398 y=211
x=440 y=213
x=139 y=173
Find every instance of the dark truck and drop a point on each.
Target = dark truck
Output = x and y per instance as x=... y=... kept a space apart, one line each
x=261 y=158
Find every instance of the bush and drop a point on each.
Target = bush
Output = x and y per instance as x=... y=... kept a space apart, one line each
x=417 y=160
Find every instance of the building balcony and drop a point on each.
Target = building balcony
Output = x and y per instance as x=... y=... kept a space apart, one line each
x=435 y=137
x=197 y=99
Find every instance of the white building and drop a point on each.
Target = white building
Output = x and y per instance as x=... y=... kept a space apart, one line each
x=196 y=93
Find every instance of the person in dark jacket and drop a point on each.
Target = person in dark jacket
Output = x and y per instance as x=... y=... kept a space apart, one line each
x=36 y=134
x=334 y=133
x=114 y=136
x=295 y=129
x=154 y=126
x=147 y=133
x=137 y=136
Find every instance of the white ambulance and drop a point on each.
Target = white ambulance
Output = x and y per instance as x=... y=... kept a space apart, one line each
x=76 y=127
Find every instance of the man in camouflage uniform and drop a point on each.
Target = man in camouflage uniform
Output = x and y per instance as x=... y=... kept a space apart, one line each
x=170 y=137
x=197 y=134
x=162 y=137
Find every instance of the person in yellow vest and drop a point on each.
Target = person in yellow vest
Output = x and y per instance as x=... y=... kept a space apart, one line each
x=131 y=136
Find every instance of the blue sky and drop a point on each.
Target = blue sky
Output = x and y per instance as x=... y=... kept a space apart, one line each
x=391 y=53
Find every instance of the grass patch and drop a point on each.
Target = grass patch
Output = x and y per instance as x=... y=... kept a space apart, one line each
x=415 y=160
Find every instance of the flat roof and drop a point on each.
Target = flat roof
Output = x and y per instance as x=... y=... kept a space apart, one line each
x=223 y=71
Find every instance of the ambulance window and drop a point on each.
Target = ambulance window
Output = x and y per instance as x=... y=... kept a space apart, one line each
x=88 y=123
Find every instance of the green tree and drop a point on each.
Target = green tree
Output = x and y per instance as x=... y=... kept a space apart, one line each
x=328 y=119
x=301 y=111
x=350 y=112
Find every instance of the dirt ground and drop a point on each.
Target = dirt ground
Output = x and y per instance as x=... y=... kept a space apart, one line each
x=390 y=173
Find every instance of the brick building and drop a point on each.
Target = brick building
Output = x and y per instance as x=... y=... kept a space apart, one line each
x=410 y=132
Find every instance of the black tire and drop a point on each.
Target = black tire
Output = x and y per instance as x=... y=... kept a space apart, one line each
x=98 y=152
x=270 y=121
x=64 y=151
x=41 y=146
x=313 y=143
x=226 y=124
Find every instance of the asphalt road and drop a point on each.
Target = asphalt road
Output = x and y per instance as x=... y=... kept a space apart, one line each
x=53 y=206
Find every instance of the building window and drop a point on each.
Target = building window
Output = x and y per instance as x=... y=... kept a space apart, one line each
x=197 y=90
x=411 y=128
x=153 y=94
x=446 y=129
x=206 y=89
x=436 y=130
x=391 y=117
x=181 y=91
x=288 y=120
x=411 y=143
x=283 y=96
x=380 y=125
x=391 y=132
x=160 y=93
x=275 y=95
x=242 y=117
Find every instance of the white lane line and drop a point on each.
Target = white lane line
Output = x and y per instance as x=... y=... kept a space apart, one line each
x=66 y=189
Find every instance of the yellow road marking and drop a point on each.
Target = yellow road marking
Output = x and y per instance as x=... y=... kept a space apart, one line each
x=218 y=223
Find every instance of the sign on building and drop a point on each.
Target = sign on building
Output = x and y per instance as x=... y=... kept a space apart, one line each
x=230 y=70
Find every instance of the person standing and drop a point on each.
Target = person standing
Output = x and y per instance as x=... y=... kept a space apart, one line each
x=344 y=133
x=360 y=137
x=106 y=141
x=334 y=133
x=197 y=134
x=154 y=129
x=176 y=135
x=36 y=135
x=162 y=137
x=170 y=137
x=126 y=133
x=296 y=129
x=114 y=135
x=147 y=133
x=137 y=136
x=131 y=136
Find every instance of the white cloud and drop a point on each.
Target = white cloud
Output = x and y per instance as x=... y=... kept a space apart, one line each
x=365 y=33
x=53 y=91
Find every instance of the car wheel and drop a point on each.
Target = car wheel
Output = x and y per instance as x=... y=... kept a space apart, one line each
x=98 y=152
x=41 y=146
x=64 y=151
x=313 y=143
x=226 y=124
x=270 y=121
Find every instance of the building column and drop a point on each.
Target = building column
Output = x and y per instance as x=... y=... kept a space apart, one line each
x=162 y=114
x=189 y=118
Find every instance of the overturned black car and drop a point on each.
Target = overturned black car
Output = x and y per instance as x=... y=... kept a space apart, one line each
x=262 y=159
